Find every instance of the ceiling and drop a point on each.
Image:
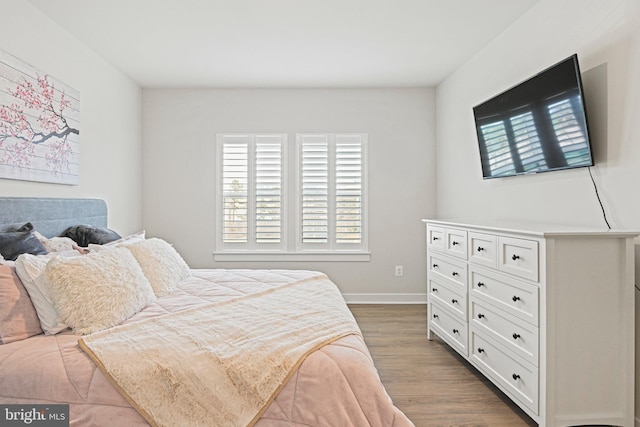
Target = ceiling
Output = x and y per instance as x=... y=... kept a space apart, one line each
x=285 y=43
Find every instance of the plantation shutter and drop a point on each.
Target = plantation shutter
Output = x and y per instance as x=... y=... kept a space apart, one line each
x=235 y=190
x=332 y=191
x=315 y=189
x=268 y=190
x=349 y=164
x=252 y=180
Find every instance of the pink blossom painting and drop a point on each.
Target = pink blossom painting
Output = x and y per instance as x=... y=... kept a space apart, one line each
x=39 y=125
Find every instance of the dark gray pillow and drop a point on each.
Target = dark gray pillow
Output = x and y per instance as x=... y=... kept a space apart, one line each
x=83 y=235
x=14 y=242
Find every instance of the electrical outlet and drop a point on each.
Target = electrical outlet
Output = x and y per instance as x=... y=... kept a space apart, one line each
x=399 y=270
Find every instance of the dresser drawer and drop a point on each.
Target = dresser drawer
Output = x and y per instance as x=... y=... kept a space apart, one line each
x=517 y=378
x=483 y=249
x=518 y=257
x=455 y=302
x=435 y=238
x=449 y=327
x=454 y=272
x=513 y=296
x=517 y=335
x=456 y=242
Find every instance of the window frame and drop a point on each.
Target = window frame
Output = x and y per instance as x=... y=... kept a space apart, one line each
x=288 y=250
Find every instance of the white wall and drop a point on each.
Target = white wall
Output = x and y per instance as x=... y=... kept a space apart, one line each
x=606 y=36
x=179 y=134
x=110 y=127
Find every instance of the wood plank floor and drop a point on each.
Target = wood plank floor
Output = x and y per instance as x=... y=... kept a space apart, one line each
x=427 y=380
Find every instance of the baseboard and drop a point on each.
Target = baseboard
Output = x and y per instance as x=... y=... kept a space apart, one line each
x=385 y=298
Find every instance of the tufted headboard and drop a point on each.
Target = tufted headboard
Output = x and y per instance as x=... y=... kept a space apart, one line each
x=51 y=216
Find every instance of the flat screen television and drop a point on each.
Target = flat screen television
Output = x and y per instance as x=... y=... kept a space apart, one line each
x=539 y=125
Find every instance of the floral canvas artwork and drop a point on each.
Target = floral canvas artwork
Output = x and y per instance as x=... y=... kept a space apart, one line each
x=39 y=125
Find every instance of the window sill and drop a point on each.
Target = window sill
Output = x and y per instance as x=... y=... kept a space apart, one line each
x=293 y=256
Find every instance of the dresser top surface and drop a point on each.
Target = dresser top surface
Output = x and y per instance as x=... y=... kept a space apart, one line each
x=532 y=228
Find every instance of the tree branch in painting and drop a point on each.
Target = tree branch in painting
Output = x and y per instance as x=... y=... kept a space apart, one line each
x=21 y=131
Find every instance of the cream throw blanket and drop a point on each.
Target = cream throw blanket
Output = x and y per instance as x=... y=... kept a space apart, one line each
x=220 y=364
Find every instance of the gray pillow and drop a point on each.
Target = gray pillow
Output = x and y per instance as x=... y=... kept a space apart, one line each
x=84 y=235
x=14 y=242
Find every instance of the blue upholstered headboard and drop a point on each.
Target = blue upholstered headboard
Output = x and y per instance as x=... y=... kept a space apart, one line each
x=51 y=216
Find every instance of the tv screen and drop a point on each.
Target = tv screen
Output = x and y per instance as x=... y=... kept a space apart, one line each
x=537 y=126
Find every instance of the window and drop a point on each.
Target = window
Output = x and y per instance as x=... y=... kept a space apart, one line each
x=326 y=200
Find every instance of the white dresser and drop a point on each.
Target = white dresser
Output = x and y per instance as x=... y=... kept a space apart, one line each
x=545 y=312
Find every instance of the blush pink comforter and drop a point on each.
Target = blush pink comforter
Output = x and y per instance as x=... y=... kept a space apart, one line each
x=336 y=385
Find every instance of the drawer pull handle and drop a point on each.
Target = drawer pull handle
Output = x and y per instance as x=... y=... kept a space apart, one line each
x=480 y=249
x=454 y=301
x=436 y=238
x=515 y=257
x=480 y=350
x=455 y=331
x=515 y=298
x=435 y=316
x=454 y=274
x=434 y=290
x=480 y=284
x=455 y=243
x=515 y=377
x=435 y=265
x=480 y=315
x=515 y=336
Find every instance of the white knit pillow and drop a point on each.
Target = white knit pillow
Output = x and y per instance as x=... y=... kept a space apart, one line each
x=98 y=290
x=161 y=263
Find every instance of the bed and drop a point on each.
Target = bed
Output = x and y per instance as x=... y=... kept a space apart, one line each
x=207 y=338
